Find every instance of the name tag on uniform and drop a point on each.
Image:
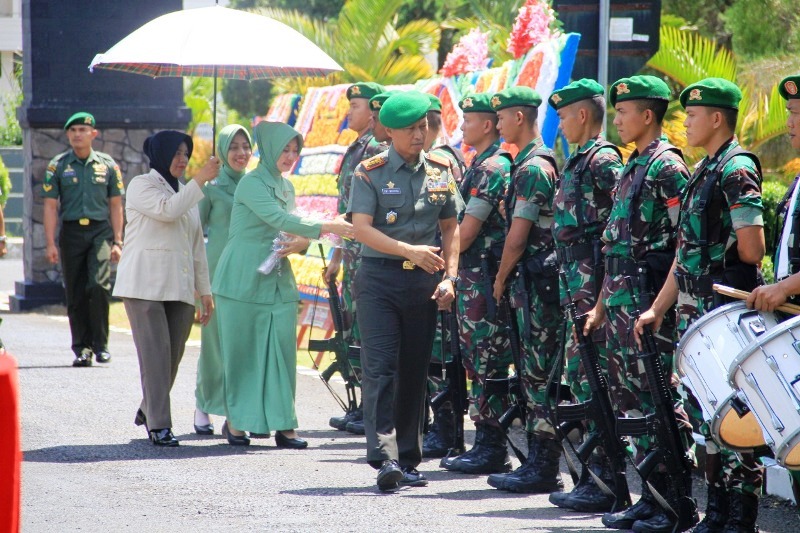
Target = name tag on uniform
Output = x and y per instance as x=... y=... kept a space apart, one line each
x=390 y=189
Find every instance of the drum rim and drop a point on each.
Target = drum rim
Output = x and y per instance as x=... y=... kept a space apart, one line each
x=714 y=426
x=756 y=344
x=782 y=448
x=706 y=318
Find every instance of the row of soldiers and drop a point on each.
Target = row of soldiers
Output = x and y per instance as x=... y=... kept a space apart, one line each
x=598 y=223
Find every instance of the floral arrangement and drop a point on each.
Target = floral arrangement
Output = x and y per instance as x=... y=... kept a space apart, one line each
x=324 y=163
x=319 y=206
x=314 y=184
x=283 y=109
x=470 y=54
x=532 y=27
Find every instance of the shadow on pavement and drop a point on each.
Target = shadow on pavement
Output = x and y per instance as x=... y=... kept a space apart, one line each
x=138 y=449
x=335 y=491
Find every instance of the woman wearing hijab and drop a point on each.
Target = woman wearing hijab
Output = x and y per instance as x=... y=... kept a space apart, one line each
x=234 y=150
x=258 y=313
x=162 y=265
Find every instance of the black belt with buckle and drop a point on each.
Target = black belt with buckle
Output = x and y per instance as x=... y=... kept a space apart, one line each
x=698 y=286
x=576 y=252
x=624 y=266
x=85 y=222
x=397 y=263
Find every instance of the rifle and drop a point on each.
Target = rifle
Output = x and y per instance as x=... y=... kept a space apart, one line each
x=338 y=346
x=456 y=390
x=599 y=409
x=663 y=425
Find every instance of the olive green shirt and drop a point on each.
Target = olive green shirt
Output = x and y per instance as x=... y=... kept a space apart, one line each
x=83 y=187
x=405 y=201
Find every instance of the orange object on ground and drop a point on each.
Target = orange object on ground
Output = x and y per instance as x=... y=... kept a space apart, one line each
x=10 y=453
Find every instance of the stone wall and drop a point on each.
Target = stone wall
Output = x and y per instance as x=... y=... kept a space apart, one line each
x=41 y=145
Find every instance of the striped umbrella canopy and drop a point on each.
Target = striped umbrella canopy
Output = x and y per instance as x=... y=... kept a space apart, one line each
x=216 y=41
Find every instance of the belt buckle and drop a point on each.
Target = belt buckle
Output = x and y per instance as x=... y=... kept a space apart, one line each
x=408 y=265
x=83 y=221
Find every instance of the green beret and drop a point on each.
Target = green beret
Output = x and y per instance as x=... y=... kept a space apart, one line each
x=477 y=103
x=366 y=90
x=377 y=101
x=639 y=88
x=403 y=109
x=789 y=88
x=712 y=92
x=578 y=90
x=514 y=97
x=80 y=118
x=436 y=104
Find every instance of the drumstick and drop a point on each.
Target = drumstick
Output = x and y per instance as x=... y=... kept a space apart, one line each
x=742 y=295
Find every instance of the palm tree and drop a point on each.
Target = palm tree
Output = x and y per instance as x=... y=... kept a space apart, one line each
x=365 y=40
x=496 y=17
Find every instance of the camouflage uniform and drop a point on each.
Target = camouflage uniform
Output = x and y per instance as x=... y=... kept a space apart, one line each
x=484 y=342
x=534 y=187
x=640 y=227
x=360 y=150
x=741 y=189
x=593 y=191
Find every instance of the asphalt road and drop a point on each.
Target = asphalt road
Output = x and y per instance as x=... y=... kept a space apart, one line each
x=88 y=468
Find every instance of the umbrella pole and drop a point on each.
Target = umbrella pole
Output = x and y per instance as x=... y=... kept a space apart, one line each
x=214 y=121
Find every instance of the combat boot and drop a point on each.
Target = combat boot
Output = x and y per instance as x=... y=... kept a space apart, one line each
x=743 y=513
x=587 y=497
x=538 y=474
x=716 y=511
x=489 y=455
x=356 y=427
x=645 y=508
x=664 y=521
x=340 y=422
x=441 y=433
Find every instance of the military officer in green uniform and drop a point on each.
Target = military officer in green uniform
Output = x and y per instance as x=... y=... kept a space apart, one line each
x=720 y=238
x=639 y=242
x=581 y=209
x=359 y=119
x=528 y=269
x=485 y=347
x=87 y=185
x=399 y=199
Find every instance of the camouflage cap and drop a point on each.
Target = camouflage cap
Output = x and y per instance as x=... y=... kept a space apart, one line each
x=789 y=88
x=477 y=103
x=712 y=92
x=80 y=118
x=578 y=90
x=514 y=97
x=377 y=101
x=403 y=109
x=639 y=88
x=365 y=89
x=436 y=104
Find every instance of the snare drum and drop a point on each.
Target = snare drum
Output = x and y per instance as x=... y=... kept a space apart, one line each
x=768 y=374
x=705 y=354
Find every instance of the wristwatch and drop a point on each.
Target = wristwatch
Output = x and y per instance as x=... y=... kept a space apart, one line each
x=454 y=279
x=118 y=243
x=2 y=238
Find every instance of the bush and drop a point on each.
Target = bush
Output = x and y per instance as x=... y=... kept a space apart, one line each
x=5 y=184
x=772 y=192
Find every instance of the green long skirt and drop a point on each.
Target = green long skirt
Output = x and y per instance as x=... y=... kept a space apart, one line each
x=259 y=359
x=209 y=393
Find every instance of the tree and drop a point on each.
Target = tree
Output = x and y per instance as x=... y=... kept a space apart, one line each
x=496 y=17
x=248 y=98
x=776 y=32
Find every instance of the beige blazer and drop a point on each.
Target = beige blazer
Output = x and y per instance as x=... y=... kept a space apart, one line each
x=164 y=258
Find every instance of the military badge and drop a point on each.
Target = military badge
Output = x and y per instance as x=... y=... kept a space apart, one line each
x=391 y=217
x=74 y=180
x=100 y=169
x=47 y=187
x=87 y=120
x=496 y=101
x=556 y=99
x=622 y=88
x=451 y=185
x=355 y=90
x=376 y=105
x=99 y=179
x=791 y=87
x=695 y=94
x=467 y=103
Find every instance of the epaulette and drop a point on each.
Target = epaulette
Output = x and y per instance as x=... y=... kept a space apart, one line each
x=438 y=158
x=108 y=158
x=59 y=157
x=374 y=162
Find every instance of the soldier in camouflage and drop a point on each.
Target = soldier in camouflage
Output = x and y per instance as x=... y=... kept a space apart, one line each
x=733 y=221
x=581 y=209
x=639 y=242
x=359 y=119
x=484 y=343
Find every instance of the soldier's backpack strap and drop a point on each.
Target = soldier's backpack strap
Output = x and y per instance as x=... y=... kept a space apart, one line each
x=641 y=174
x=706 y=193
x=511 y=197
x=581 y=167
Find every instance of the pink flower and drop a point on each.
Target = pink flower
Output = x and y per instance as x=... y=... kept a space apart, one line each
x=531 y=27
x=470 y=54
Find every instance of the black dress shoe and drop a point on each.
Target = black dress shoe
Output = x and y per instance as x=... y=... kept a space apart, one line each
x=102 y=356
x=163 y=437
x=355 y=427
x=285 y=442
x=206 y=429
x=412 y=478
x=254 y=435
x=389 y=475
x=83 y=359
x=234 y=440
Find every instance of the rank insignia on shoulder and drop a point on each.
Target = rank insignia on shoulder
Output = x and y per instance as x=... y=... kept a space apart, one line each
x=375 y=162
x=451 y=185
x=440 y=159
x=47 y=187
x=391 y=217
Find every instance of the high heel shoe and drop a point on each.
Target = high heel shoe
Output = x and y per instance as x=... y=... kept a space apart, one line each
x=282 y=441
x=204 y=429
x=234 y=440
x=163 y=437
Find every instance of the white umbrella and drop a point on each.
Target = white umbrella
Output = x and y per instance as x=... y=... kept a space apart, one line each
x=216 y=41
